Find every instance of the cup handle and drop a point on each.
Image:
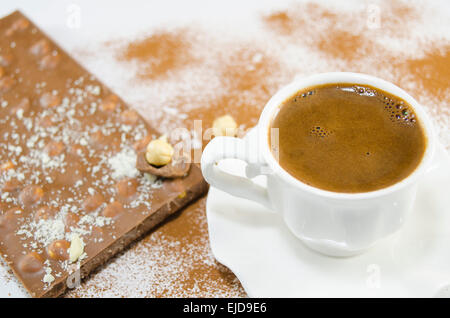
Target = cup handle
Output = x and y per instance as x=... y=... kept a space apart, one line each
x=221 y=148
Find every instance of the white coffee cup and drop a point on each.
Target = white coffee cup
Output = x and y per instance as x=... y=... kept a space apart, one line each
x=337 y=224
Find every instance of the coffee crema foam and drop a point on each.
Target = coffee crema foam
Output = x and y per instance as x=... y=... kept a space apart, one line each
x=348 y=138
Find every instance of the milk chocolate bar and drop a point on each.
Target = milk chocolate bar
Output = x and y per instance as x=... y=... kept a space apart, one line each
x=71 y=196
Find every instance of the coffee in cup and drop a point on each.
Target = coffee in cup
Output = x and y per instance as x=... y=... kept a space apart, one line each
x=347 y=137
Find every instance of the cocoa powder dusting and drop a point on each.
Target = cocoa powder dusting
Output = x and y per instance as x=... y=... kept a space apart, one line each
x=185 y=75
x=281 y=22
x=248 y=78
x=159 y=53
x=334 y=36
x=399 y=17
x=347 y=35
x=431 y=72
x=342 y=44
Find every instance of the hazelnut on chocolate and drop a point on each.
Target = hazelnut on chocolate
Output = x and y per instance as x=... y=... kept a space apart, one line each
x=59 y=250
x=159 y=152
x=155 y=159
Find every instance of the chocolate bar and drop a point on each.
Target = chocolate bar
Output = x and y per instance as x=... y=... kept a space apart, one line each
x=70 y=194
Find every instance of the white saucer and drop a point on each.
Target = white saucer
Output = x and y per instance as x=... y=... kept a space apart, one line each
x=271 y=262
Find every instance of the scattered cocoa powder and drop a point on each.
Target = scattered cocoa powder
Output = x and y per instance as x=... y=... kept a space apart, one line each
x=159 y=53
x=397 y=17
x=247 y=73
x=335 y=35
x=249 y=76
x=342 y=44
x=282 y=23
x=431 y=72
x=345 y=34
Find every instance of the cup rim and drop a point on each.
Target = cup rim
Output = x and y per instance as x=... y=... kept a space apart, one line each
x=284 y=93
